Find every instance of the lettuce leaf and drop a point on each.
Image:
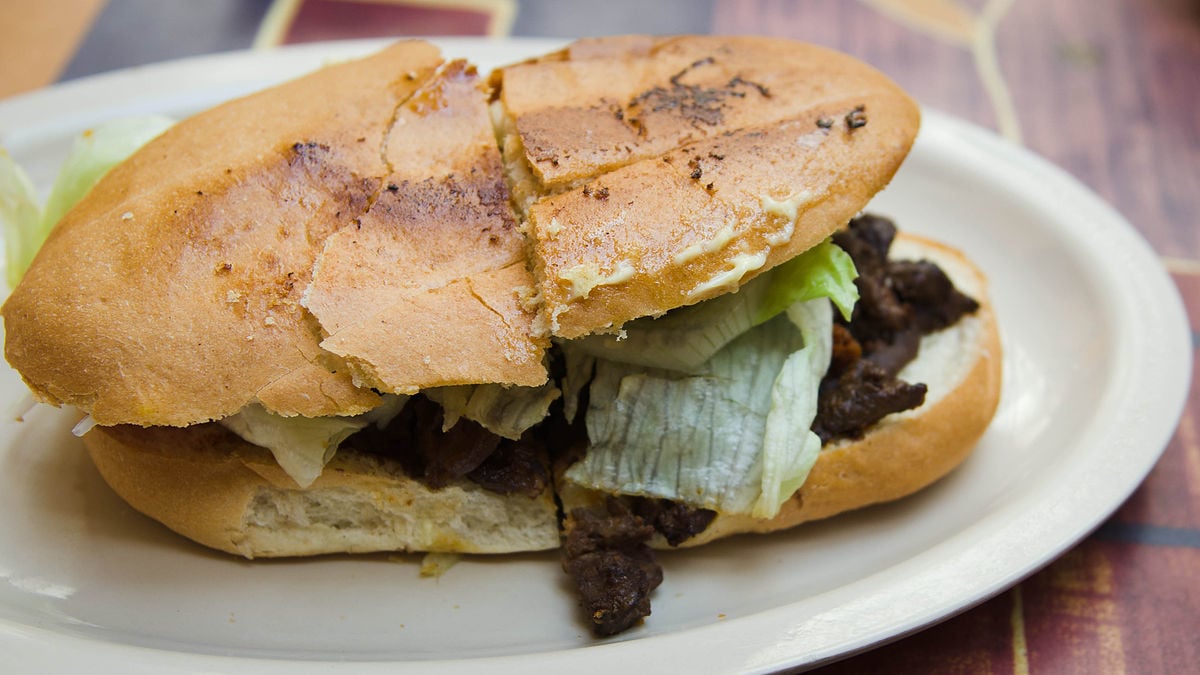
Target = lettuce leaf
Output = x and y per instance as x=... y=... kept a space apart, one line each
x=823 y=271
x=733 y=437
x=684 y=338
x=21 y=217
x=505 y=411
x=94 y=153
x=790 y=447
x=304 y=445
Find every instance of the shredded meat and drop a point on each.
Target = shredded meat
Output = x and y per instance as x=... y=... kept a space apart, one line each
x=925 y=287
x=859 y=397
x=879 y=313
x=846 y=351
x=675 y=521
x=516 y=467
x=894 y=353
x=614 y=571
x=899 y=302
x=438 y=458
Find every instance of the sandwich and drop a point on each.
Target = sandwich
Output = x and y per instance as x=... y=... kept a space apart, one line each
x=618 y=297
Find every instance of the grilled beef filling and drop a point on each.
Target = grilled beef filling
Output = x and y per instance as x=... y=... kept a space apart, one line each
x=606 y=553
x=465 y=450
x=899 y=302
x=606 y=556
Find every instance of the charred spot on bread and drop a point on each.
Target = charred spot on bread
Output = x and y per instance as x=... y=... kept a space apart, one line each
x=698 y=104
x=857 y=118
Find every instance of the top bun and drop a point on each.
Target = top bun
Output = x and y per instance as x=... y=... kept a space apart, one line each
x=660 y=172
x=352 y=232
x=174 y=292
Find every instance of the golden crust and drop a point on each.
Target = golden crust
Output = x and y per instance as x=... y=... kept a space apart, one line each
x=378 y=181
x=668 y=171
x=439 y=247
x=193 y=255
x=210 y=486
x=904 y=452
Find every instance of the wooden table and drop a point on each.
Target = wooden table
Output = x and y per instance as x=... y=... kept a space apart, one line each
x=1107 y=89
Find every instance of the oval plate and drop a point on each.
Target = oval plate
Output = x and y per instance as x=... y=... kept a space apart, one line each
x=1097 y=356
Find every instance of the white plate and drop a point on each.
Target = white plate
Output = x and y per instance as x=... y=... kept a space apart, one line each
x=1096 y=369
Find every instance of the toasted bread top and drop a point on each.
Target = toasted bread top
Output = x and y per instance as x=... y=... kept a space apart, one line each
x=352 y=231
x=174 y=292
x=659 y=172
x=424 y=290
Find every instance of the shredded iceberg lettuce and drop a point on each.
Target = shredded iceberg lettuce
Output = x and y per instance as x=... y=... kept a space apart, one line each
x=93 y=154
x=712 y=405
x=823 y=271
x=504 y=411
x=685 y=338
x=579 y=368
x=733 y=437
x=790 y=447
x=304 y=445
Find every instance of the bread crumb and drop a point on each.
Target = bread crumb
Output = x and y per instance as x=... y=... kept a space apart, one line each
x=232 y=296
x=269 y=321
x=128 y=215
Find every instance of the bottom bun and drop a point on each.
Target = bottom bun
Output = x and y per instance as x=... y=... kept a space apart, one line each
x=207 y=484
x=903 y=452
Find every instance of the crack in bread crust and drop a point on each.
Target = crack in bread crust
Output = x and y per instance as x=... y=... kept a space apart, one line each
x=623 y=153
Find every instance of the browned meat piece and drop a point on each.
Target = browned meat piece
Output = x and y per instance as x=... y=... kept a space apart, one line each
x=613 y=569
x=437 y=457
x=899 y=302
x=515 y=467
x=926 y=288
x=861 y=396
x=846 y=350
x=867 y=239
x=675 y=521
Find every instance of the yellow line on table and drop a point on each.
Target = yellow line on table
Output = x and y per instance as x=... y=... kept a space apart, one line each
x=1181 y=265
x=987 y=63
x=275 y=23
x=1019 y=646
x=949 y=21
